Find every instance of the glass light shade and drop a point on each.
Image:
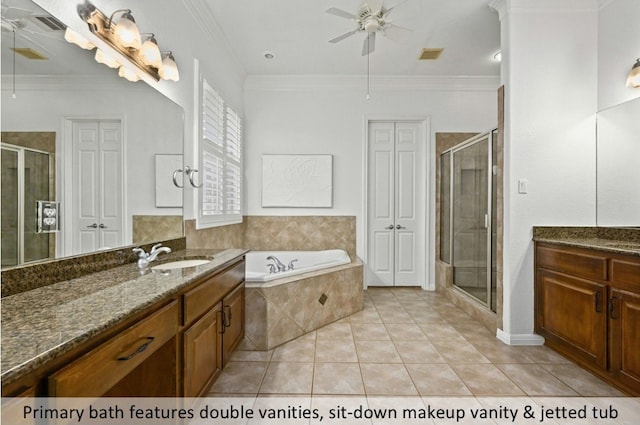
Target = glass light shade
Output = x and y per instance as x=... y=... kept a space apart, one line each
x=150 y=53
x=102 y=57
x=128 y=74
x=169 y=69
x=633 y=80
x=127 y=33
x=76 y=38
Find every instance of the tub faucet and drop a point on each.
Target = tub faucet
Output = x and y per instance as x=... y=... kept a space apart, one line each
x=290 y=266
x=281 y=267
x=145 y=258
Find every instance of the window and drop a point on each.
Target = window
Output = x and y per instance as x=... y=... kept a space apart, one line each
x=220 y=200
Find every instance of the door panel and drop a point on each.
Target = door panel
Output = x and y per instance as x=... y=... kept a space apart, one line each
x=396 y=204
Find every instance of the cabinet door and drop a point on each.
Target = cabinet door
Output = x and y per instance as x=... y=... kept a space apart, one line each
x=571 y=314
x=234 y=321
x=624 y=322
x=202 y=349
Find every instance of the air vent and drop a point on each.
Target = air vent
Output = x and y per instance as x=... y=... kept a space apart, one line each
x=430 y=54
x=51 y=22
x=29 y=53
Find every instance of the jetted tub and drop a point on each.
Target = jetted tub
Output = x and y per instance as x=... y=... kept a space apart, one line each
x=257 y=269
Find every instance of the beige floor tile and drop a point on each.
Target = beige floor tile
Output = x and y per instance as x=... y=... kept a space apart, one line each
x=498 y=352
x=288 y=378
x=534 y=380
x=418 y=352
x=441 y=332
x=240 y=378
x=337 y=378
x=365 y=316
x=251 y=356
x=336 y=350
x=405 y=331
x=581 y=381
x=459 y=352
x=335 y=331
x=377 y=352
x=298 y=350
x=386 y=379
x=426 y=317
x=370 y=332
x=542 y=354
x=486 y=380
x=394 y=315
x=437 y=379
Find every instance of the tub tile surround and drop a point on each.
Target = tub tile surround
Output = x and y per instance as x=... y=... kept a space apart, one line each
x=612 y=239
x=277 y=314
x=279 y=233
x=365 y=354
x=32 y=276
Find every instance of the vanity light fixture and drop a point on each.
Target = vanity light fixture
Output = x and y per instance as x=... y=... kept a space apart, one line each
x=633 y=80
x=120 y=32
x=76 y=38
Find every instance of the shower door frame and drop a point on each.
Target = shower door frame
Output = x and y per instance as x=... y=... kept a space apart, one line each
x=489 y=136
x=20 y=151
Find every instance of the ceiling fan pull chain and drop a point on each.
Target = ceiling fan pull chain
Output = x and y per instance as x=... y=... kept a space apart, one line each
x=368 y=61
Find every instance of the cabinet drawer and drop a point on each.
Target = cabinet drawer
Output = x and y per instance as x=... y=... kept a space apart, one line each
x=97 y=371
x=572 y=262
x=626 y=273
x=200 y=299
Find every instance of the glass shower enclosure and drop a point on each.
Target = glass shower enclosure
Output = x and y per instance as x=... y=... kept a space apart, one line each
x=27 y=176
x=468 y=216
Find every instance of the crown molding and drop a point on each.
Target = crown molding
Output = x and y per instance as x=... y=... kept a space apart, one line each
x=553 y=5
x=379 y=83
x=90 y=83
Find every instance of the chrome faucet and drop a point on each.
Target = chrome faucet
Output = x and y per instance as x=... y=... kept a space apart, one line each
x=281 y=267
x=145 y=258
x=290 y=266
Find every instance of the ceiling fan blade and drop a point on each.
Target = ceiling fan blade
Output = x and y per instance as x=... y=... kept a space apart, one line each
x=375 y=6
x=397 y=33
x=343 y=36
x=369 y=44
x=341 y=13
x=394 y=6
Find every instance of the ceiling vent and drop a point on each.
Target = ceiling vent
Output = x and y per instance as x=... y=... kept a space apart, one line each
x=29 y=53
x=430 y=54
x=50 y=22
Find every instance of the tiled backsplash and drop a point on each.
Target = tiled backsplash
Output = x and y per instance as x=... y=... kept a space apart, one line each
x=156 y=227
x=279 y=233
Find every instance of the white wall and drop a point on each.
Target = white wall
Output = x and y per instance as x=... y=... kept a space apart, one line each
x=43 y=105
x=618 y=49
x=326 y=115
x=550 y=80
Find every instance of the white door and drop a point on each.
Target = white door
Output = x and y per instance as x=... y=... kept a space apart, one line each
x=396 y=239
x=97 y=185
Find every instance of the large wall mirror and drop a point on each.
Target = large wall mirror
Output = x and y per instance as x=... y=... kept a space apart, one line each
x=618 y=165
x=77 y=134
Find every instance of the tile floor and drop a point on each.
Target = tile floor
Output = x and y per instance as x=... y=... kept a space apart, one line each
x=405 y=342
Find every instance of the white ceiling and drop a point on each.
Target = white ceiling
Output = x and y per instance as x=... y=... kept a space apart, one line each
x=297 y=33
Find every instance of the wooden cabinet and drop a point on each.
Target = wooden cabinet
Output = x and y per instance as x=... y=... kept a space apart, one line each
x=214 y=326
x=587 y=306
x=234 y=322
x=202 y=352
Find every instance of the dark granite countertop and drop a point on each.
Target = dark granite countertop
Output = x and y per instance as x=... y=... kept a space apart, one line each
x=43 y=323
x=609 y=239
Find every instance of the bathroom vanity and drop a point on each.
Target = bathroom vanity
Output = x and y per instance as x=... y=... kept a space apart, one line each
x=587 y=303
x=161 y=333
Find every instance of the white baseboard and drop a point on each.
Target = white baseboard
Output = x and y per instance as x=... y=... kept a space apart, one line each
x=519 y=339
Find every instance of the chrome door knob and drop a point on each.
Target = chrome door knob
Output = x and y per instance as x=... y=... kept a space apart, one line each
x=389 y=227
x=102 y=226
x=93 y=226
x=400 y=227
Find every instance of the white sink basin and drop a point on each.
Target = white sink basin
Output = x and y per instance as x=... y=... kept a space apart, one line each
x=181 y=264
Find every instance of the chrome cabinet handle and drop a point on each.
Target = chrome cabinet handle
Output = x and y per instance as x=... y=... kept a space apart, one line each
x=190 y=172
x=93 y=226
x=400 y=227
x=175 y=177
x=389 y=227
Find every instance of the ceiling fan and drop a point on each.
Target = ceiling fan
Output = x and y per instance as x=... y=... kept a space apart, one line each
x=21 y=21
x=371 y=17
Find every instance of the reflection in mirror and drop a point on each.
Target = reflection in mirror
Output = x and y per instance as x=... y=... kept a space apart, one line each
x=618 y=165
x=76 y=133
